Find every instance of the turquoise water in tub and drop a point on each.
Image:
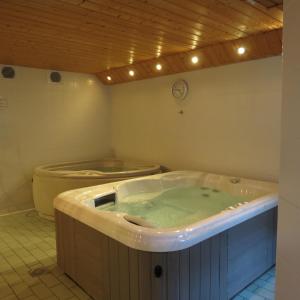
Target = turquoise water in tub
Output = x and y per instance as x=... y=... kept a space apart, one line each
x=177 y=206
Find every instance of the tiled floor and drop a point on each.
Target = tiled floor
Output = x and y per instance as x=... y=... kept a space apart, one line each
x=27 y=244
x=261 y=289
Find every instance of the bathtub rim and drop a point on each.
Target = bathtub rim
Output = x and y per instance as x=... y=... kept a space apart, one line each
x=49 y=170
x=157 y=239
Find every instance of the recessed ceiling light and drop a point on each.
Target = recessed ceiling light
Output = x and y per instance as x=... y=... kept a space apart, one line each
x=195 y=59
x=131 y=72
x=241 y=50
x=108 y=78
x=158 y=67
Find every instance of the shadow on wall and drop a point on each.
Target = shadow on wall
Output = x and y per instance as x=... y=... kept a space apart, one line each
x=15 y=185
x=18 y=198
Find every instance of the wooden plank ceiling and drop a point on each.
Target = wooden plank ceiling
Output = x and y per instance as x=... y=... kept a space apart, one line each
x=108 y=37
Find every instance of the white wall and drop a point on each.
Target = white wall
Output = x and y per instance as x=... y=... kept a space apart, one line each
x=44 y=123
x=230 y=125
x=288 y=247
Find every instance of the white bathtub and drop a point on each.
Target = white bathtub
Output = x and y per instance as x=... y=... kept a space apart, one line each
x=53 y=179
x=80 y=205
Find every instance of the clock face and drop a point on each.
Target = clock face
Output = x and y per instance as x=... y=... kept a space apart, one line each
x=180 y=89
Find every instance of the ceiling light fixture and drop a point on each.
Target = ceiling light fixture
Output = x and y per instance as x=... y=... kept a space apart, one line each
x=158 y=67
x=195 y=59
x=241 y=50
x=108 y=78
x=131 y=73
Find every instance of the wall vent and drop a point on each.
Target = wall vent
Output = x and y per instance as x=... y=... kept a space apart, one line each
x=55 y=77
x=8 y=72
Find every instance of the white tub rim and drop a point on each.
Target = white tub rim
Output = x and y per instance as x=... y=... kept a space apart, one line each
x=50 y=170
x=158 y=239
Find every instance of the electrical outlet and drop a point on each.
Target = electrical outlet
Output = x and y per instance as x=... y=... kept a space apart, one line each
x=3 y=103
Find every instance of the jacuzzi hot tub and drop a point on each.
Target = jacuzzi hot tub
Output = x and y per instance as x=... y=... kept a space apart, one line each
x=179 y=235
x=53 y=179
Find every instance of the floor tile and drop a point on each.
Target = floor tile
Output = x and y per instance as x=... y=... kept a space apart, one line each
x=22 y=290
x=261 y=289
x=49 y=280
x=41 y=291
x=5 y=291
x=61 y=292
x=27 y=243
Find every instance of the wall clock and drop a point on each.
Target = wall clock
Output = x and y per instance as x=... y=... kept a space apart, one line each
x=180 y=89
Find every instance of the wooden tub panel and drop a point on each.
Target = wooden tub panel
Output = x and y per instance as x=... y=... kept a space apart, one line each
x=214 y=269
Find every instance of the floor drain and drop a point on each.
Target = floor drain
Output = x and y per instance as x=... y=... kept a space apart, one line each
x=38 y=272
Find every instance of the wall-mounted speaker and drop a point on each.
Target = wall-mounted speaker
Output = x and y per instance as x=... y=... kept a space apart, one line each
x=8 y=72
x=55 y=77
